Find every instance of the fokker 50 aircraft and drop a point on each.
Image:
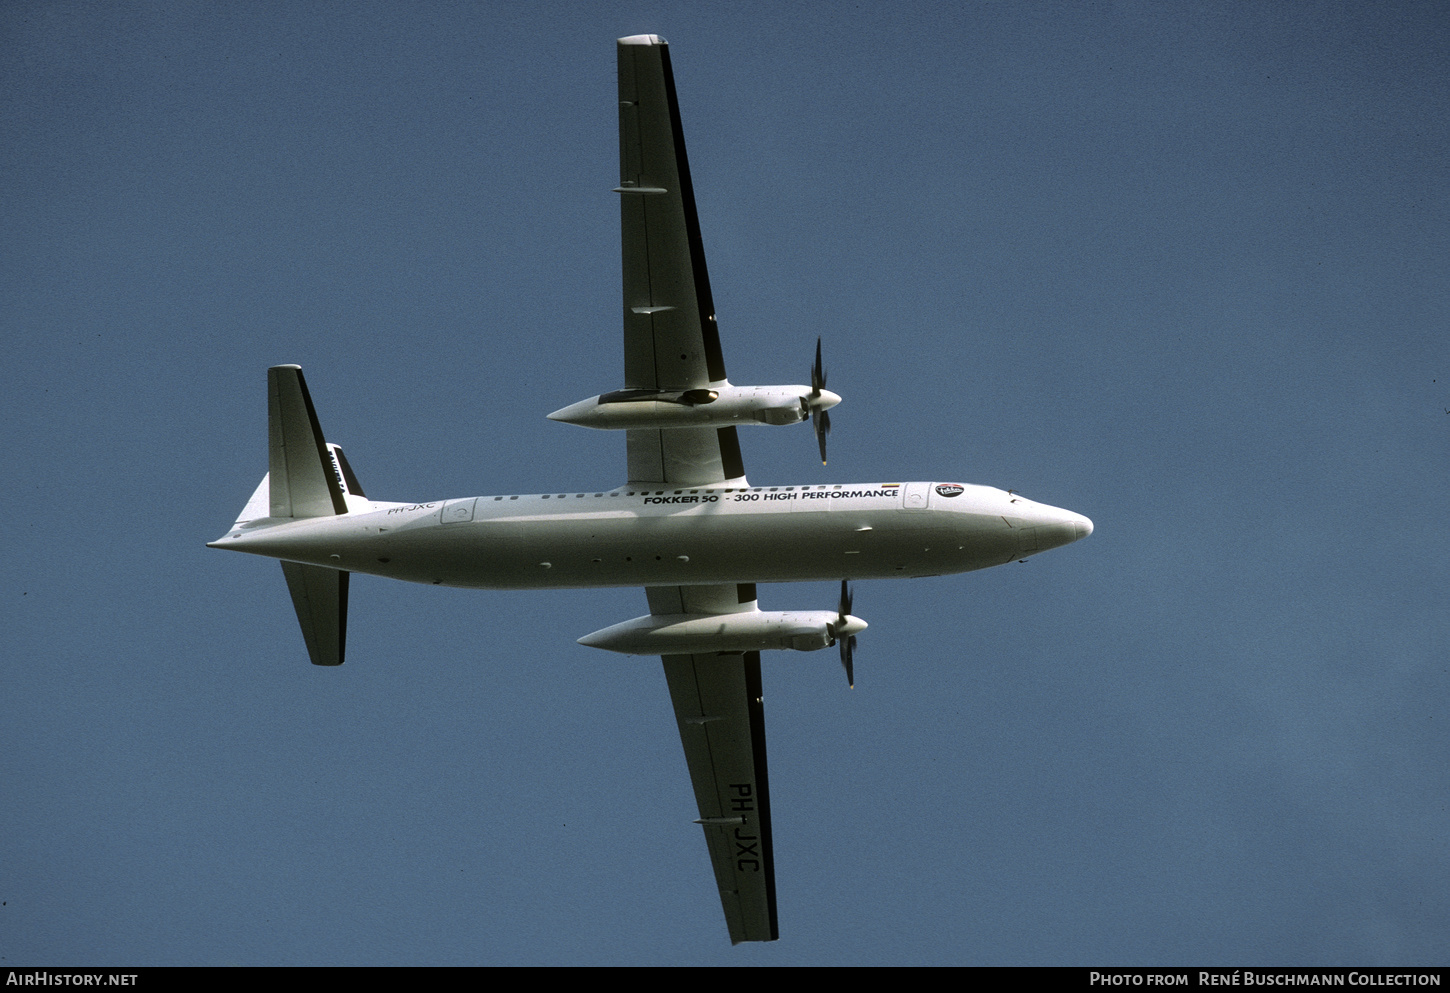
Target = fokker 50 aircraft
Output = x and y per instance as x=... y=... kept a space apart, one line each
x=686 y=525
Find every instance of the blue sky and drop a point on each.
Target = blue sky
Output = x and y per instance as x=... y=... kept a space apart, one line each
x=1179 y=267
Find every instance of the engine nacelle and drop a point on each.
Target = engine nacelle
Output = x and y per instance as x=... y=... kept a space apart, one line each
x=716 y=406
x=703 y=634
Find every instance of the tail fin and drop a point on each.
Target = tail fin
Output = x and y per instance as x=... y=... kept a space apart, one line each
x=309 y=478
x=352 y=491
x=259 y=506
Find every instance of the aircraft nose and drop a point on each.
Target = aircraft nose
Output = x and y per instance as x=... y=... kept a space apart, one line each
x=1055 y=529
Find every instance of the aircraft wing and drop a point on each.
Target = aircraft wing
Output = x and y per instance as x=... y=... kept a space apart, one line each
x=721 y=718
x=671 y=343
x=670 y=339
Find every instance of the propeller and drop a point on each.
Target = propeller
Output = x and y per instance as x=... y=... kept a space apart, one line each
x=821 y=420
x=842 y=632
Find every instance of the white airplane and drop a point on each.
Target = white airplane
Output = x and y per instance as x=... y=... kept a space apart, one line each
x=687 y=525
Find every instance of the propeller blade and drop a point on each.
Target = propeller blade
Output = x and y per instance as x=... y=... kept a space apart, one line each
x=848 y=643
x=820 y=419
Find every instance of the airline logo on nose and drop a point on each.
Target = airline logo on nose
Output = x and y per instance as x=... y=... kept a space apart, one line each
x=950 y=489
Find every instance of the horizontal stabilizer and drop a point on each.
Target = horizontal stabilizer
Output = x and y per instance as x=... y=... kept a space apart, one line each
x=320 y=596
x=305 y=478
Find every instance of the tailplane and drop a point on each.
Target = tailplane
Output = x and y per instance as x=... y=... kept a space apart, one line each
x=320 y=597
x=306 y=478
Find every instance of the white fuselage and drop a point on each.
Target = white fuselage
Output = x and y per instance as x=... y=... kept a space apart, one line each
x=675 y=537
